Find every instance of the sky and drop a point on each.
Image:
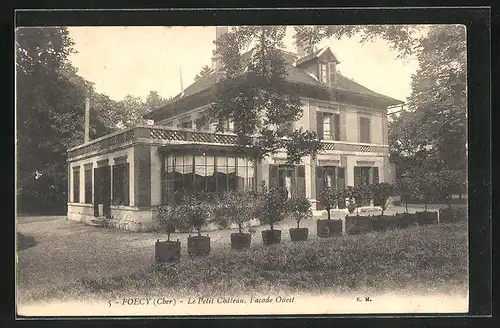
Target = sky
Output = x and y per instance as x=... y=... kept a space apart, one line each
x=135 y=60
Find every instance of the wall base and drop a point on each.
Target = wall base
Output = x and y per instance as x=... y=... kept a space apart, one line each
x=122 y=217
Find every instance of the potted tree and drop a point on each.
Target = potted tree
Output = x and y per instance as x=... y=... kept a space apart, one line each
x=195 y=212
x=166 y=251
x=358 y=224
x=239 y=208
x=328 y=197
x=300 y=209
x=381 y=193
x=272 y=209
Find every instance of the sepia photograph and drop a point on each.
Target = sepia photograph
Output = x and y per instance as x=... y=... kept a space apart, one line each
x=241 y=170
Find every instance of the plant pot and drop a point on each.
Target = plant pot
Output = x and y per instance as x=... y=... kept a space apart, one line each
x=382 y=223
x=446 y=215
x=240 y=240
x=198 y=245
x=424 y=218
x=298 y=234
x=355 y=225
x=461 y=214
x=167 y=251
x=404 y=220
x=328 y=228
x=270 y=237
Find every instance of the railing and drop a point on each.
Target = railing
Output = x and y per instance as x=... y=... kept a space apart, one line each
x=164 y=134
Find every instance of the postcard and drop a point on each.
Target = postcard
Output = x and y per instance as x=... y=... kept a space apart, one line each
x=241 y=170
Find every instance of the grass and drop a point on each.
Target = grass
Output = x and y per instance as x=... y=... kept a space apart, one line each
x=421 y=259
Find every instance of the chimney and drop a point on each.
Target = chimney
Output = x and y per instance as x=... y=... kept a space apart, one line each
x=182 y=86
x=87 y=117
x=301 y=50
x=216 y=60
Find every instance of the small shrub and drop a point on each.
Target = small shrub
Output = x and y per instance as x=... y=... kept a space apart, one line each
x=272 y=207
x=381 y=192
x=193 y=213
x=168 y=219
x=300 y=208
x=328 y=198
x=237 y=207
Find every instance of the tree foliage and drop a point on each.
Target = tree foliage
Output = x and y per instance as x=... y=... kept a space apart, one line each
x=257 y=98
x=50 y=107
x=50 y=103
x=204 y=72
x=300 y=208
x=328 y=197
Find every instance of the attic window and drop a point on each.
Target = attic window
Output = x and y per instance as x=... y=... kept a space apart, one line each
x=323 y=72
x=327 y=72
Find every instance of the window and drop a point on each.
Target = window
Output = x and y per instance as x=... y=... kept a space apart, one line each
x=328 y=126
x=364 y=130
x=88 y=186
x=76 y=185
x=327 y=132
x=289 y=178
x=365 y=175
x=329 y=176
x=212 y=174
x=121 y=184
x=323 y=72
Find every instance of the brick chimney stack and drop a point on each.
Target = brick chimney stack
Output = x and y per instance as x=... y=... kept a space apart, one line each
x=301 y=50
x=216 y=60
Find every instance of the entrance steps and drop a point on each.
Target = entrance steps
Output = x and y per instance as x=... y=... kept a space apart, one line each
x=99 y=222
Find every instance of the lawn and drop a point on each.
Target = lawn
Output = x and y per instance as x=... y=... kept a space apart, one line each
x=67 y=260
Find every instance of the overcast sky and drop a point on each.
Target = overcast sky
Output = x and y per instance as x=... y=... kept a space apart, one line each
x=135 y=60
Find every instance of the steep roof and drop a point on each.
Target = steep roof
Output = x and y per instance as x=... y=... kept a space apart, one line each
x=316 y=54
x=295 y=75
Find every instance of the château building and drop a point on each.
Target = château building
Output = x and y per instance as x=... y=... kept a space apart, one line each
x=126 y=175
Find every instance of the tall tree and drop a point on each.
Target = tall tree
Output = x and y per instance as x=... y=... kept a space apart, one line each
x=257 y=98
x=205 y=71
x=50 y=106
x=48 y=117
x=154 y=100
x=439 y=95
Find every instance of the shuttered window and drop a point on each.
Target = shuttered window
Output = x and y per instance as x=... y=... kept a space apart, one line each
x=336 y=127
x=88 y=186
x=375 y=175
x=121 y=184
x=319 y=124
x=364 y=130
x=76 y=185
x=323 y=72
x=332 y=67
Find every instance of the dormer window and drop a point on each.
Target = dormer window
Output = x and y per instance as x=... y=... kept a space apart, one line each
x=323 y=72
x=328 y=72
